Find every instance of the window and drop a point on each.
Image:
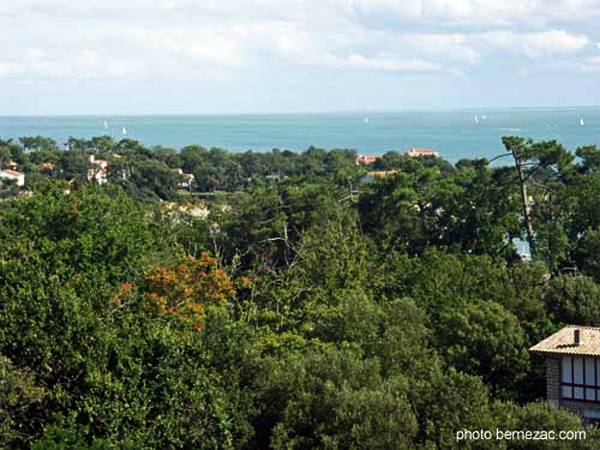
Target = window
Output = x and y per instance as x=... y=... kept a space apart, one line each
x=580 y=378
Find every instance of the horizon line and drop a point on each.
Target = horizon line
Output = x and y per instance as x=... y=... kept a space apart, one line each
x=300 y=113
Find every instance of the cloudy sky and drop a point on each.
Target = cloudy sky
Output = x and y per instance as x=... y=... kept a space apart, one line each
x=244 y=56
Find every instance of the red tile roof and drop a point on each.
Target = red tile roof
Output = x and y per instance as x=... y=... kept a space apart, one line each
x=366 y=159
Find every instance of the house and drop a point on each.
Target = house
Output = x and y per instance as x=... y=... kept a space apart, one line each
x=366 y=159
x=370 y=176
x=10 y=165
x=100 y=171
x=573 y=370
x=47 y=165
x=8 y=174
x=103 y=163
x=382 y=173
x=420 y=152
x=188 y=179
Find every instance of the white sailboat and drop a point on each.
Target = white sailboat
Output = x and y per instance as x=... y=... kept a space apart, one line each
x=476 y=119
x=124 y=130
x=366 y=120
x=105 y=125
x=581 y=122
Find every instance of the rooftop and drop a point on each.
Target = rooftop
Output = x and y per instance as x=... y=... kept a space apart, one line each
x=382 y=173
x=420 y=152
x=12 y=172
x=366 y=159
x=563 y=342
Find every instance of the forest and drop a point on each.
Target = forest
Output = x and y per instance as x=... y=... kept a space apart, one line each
x=308 y=305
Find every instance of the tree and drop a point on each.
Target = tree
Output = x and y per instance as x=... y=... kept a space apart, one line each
x=530 y=159
x=486 y=340
x=21 y=406
x=331 y=400
x=38 y=143
x=573 y=299
x=180 y=293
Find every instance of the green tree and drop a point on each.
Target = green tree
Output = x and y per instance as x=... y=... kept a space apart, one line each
x=486 y=340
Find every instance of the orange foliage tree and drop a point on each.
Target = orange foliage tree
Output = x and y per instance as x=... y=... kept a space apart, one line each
x=181 y=293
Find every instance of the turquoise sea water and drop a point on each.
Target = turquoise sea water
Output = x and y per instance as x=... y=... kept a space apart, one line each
x=455 y=134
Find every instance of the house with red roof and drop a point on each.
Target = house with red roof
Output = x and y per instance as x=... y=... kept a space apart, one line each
x=100 y=170
x=366 y=159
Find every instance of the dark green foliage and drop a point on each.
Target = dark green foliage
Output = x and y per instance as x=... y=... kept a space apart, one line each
x=542 y=416
x=21 y=405
x=331 y=399
x=573 y=300
x=91 y=230
x=486 y=340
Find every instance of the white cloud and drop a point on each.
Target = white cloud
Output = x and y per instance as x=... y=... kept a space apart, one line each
x=535 y=45
x=213 y=45
x=461 y=13
x=221 y=39
x=84 y=64
x=387 y=63
x=376 y=13
x=452 y=46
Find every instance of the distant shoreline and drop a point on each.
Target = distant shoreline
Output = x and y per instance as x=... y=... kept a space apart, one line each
x=468 y=109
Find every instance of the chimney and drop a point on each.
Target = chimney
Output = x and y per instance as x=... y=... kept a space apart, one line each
x=577 y=336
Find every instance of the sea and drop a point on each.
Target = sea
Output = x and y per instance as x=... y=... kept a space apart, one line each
x=468 y=133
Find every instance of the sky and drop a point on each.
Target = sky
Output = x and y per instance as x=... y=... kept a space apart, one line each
x=289 y=56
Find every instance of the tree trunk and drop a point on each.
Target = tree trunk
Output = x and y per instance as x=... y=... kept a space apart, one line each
x=525 y=202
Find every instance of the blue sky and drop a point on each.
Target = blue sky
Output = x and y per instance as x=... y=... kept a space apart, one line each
x=265 y=56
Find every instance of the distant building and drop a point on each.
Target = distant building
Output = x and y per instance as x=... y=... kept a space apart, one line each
x=47 y=165
x=418 y=152
x=370 y=176
x=103 y=163
x=188 y=179
x=382 y=173
x=100 y=171
x=8 y=174
x=573 y=370
x=11 y=165
x=366 y=159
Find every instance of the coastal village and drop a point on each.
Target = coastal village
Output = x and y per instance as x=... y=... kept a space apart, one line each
x=100 y=168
